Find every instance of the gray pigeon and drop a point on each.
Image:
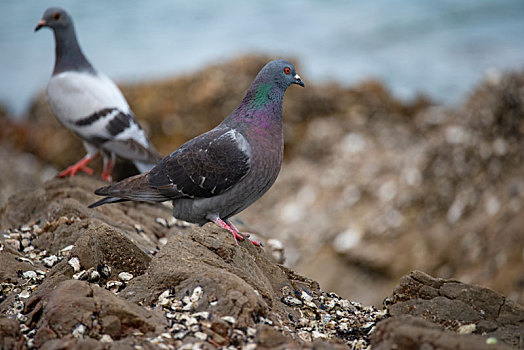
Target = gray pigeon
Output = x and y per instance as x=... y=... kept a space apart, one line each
x=91 y=105
x=221 y=172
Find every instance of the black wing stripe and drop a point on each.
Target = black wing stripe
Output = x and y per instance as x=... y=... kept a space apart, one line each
x=94 y=117
x=119 y=123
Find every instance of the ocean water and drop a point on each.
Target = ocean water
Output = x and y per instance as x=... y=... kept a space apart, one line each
x=439 y=48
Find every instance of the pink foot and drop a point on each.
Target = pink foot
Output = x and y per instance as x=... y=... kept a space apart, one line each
x=81 y=165
x=108 y=167
x=231 y=228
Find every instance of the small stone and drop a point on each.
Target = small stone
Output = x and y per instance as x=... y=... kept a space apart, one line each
x=14 y=243
x=229 y=319
x=37 y=230
x=197 y=293
x=79 y=331
x=26 y=235
x=291 y=301
x=25 y=228
x=82 y=275
x=492 y=341
x=138 y=228
x=467 y=328
x=25 y=294
x=30 y=274
x=114 y=285
x=25 y=242
x=125 y=276
x=275 y=244
x=106 y=338
x=94 y=276
x=75 y=263
x=162 y=241
x=161 y=221
x=200 y=335
x=305 y=296
x=251 y=332
x=203 y=315
x=317 y=334
x=67 y=249
x=104 y=270
x=163 y=298
x=50 y=261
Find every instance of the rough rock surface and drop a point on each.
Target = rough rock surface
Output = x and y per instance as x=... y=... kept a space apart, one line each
x=127 y=275
x=372 y=187
x=458 y=307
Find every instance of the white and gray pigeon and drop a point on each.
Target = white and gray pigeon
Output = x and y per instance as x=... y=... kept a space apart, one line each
x=221 y=172
x=88 y=103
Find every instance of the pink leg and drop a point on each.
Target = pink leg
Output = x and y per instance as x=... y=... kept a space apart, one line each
x=218 y=221
x=81 y=165
x=108 y=167
x=233 y=229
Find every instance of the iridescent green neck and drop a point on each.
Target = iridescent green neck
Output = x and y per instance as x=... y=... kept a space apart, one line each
x=260 y=95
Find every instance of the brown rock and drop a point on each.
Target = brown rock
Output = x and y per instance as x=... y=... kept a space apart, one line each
x=407 y=332
x=10 y=336
x=242 y=280
x=453 y=304
x=73 y=303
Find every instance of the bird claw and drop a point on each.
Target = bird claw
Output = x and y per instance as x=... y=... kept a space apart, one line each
x=228 y=225
x=107 y=177
x=73 y=169
x=81 y=165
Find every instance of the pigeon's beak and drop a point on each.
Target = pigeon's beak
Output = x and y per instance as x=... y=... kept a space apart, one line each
x=41 y=23
x=298 y=80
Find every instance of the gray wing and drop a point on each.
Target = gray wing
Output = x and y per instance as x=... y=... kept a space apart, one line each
x=206 y=166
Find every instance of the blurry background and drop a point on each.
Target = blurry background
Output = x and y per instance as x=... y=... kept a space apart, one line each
x=405 y=151
x=438 y=48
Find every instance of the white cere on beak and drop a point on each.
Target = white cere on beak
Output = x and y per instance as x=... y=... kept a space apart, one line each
x=297 y=76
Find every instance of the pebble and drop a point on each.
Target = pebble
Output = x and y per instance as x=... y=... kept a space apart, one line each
x=197 y=293
x=105 y=271
x=125 y=276
x=94 y=276
x=291 y=301
x=75 y=263
x=25 y=294
x=50 y=261
x=14 y=243
x=229 y=319
x=79 y=331
x=106 y=338
x=30 y=274
x=161 y=221
x=82 y=275
x=467 y=328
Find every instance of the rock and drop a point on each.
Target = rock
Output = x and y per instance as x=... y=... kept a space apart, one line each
x=10 y=336
x=452 y=304
x=198 y=287
x=77 y=302
x=407 y=332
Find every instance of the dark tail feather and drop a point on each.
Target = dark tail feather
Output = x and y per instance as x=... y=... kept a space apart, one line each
x=106 y=201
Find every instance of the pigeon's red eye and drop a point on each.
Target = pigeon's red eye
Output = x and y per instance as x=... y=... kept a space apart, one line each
x=287 y=70
x=56 y=16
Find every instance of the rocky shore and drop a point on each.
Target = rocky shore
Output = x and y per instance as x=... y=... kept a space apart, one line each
x=371 y=189
x=128 y=276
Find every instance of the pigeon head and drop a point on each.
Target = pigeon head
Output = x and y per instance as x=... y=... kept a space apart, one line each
x=55 y=18
x=280 y=72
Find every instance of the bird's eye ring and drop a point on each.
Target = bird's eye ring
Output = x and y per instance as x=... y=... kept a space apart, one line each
x=57 y=16
x=287 y=70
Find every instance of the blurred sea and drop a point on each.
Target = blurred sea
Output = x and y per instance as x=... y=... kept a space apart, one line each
x=439 y=48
